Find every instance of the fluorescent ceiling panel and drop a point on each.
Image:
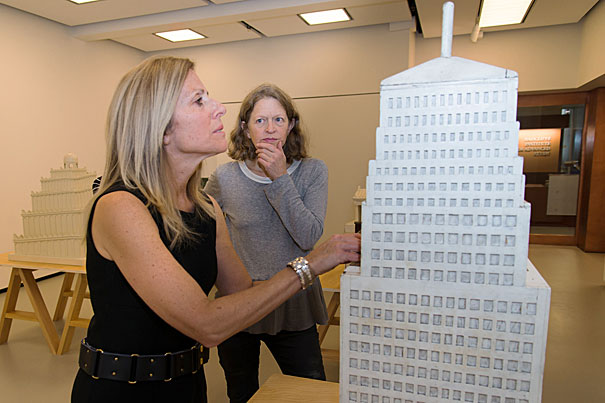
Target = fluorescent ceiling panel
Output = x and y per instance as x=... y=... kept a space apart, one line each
x=82 y=1
x=325 y=17
x=503 y=12
x=180 y=35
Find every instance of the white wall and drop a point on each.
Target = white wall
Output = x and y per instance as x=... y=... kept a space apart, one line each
x=54 y=93
x=546 y=58
x=592 y=45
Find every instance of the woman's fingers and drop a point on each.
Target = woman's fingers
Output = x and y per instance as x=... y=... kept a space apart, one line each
x=338 y=249
x=271 y=159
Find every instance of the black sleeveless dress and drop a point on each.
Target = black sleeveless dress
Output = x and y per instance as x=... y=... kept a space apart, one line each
x=123 y=323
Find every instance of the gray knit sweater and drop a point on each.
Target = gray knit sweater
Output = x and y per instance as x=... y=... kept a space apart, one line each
x=270 y=224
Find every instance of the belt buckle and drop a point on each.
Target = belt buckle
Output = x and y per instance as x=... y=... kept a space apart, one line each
x=94 y=371
x=168 y=354
x=131 y=369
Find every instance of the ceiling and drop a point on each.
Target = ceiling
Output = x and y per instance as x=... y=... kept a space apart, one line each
x=542 y=13
x=133 y=22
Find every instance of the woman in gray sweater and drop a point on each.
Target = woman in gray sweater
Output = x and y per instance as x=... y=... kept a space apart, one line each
x=274 y=199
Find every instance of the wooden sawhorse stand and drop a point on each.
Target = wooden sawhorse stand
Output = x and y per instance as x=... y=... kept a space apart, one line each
x=22 y=272
x=73 y=320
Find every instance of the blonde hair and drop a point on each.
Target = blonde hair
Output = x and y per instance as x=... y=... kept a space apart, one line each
x=140 y=113
x=241 y=147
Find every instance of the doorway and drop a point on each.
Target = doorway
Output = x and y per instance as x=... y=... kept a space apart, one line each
x=551 y=136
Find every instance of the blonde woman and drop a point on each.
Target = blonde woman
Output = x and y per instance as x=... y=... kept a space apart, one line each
x=156 y=244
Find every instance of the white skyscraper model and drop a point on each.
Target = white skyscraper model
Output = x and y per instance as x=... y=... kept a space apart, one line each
x=446 y=306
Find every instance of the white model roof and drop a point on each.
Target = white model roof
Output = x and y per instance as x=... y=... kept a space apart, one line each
x=444 y=69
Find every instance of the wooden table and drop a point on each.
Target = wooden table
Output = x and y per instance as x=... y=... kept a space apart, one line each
x=330 y=281
x=22 y=272
x=283 y=388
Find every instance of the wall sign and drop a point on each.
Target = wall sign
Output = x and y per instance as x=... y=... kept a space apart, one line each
x=540 y=149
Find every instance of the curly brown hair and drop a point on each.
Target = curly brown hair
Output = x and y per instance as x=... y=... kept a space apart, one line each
x=241 y=147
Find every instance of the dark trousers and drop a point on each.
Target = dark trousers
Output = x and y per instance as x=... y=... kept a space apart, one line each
x=297 y=353
x=184 y=389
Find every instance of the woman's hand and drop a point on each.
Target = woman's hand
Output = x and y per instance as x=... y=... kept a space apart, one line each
x=343 y=248
x=271 y=159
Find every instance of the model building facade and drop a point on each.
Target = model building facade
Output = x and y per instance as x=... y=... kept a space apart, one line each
x=53 y=230
x=446 y=305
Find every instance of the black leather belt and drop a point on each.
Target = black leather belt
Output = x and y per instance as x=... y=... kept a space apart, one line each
x=135 y=368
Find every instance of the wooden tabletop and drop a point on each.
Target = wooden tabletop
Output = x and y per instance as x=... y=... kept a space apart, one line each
x=36 y=265
x=283 y=388
x=330 y=281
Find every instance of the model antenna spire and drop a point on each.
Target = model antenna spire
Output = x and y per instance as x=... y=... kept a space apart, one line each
x=447 y=26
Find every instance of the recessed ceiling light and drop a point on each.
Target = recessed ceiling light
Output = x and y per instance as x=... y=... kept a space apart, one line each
x=180 y=35
x=82 y=1
x=326 y=17
x=503 y=12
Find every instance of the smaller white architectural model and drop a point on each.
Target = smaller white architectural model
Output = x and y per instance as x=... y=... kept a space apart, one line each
x=53 y=231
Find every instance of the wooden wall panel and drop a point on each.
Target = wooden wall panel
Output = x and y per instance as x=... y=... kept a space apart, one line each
x=568 y=98
x=586 y=174
x=591 y=225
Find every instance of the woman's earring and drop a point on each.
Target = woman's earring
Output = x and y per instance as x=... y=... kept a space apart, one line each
x=243 y=126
